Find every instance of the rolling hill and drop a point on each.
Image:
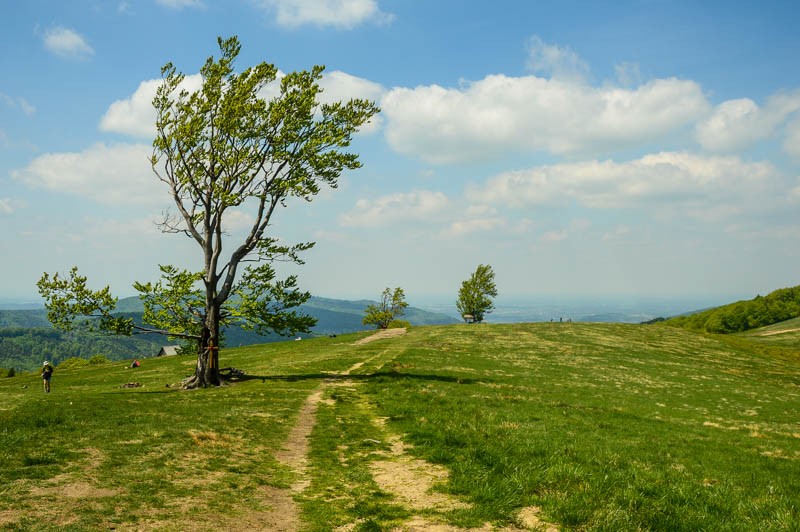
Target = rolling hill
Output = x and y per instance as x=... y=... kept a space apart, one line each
x=26 y=337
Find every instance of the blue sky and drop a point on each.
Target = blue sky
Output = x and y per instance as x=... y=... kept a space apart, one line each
x=639 y=148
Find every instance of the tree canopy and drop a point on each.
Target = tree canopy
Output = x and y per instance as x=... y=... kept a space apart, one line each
x=476 y=293
x=221 y=150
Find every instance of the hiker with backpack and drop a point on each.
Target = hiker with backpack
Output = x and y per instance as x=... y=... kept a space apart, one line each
x=47 y=372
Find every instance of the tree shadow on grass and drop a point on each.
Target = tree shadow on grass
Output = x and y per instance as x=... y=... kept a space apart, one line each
x=330 y=377
x=391 y=375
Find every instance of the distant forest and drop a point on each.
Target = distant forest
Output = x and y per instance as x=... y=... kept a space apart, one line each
x=26 y=348
x=778 y=306
x=27 y=339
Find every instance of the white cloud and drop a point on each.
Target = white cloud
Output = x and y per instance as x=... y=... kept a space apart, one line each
x=68 y=43
x=463 y=227
x=501 y=114
x=136 y=116
x=339 y=86
x=738 y=124
x=117 y=174
x=475 y=218
x=180 y=4
x=792 y=142
x=393 y=208
x=555 y=61
x=342 y=14
x=693 y=183
x=237 y=221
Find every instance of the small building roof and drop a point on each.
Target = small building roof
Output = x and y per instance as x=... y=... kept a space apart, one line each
x=169 y=350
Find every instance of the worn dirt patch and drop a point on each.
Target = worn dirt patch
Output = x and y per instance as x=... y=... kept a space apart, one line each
x=283 y=515
x=8 y=517
x=529 y=518
x=75 y=490
x=411 y=481
x=773 y=333
x=385 y=333
x=421 y=524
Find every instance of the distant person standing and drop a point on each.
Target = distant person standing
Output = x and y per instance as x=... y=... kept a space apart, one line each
x=47 y=372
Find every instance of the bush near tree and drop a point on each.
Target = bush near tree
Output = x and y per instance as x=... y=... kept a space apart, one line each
x=392 y=304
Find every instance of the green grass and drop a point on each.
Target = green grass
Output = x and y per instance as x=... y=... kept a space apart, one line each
x=784 y=334
x=601 y=426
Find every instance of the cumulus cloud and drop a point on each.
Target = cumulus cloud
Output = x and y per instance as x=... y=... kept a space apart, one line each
x=792 y=142
x=555 y=61
x=740 y=123
x=339 y=86
x=68 y=43
x=116 y=174
x=673 y=179
x=135 y=115
x=501 y=114
x=400 y=207
x=475 y=218
x=463 y=227
x=342 y=14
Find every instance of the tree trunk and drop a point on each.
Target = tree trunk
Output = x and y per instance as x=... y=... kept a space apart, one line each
x=206 y=371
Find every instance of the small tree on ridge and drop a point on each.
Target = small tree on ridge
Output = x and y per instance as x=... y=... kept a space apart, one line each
x=391 y=305
x=476 y=293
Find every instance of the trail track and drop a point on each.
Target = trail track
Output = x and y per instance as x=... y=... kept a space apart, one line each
x=773 y=333
x=409 y=480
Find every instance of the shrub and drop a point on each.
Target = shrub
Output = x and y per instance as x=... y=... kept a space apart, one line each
x=398 y=324
x=11 y=373
x=98 y=360
x=73 y=362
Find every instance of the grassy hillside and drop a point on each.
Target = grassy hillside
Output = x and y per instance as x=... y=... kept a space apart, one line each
x=777 y=306
x=583 y=426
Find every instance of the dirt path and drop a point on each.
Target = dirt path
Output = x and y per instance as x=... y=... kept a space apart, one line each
x=773 y=333
x=383 y=333
x=294 y=454
x=409 y=480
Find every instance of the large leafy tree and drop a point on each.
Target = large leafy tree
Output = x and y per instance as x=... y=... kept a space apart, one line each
x=392 y=304
x=222 y=149
x=476 y=293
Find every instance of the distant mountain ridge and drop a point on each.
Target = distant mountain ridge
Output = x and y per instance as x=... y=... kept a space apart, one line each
x=333 y=315
x=27 y=338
